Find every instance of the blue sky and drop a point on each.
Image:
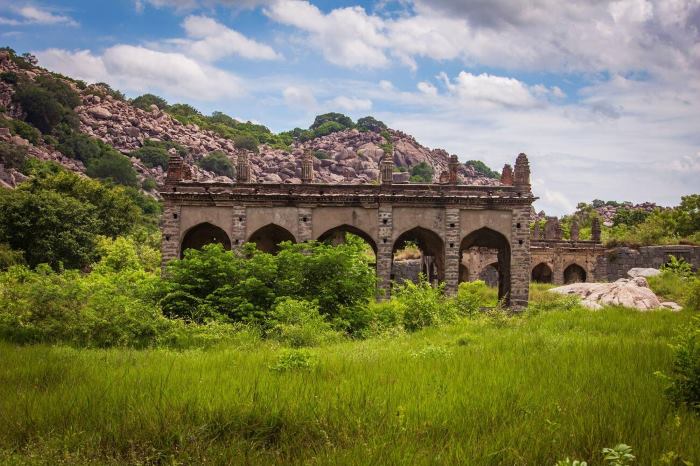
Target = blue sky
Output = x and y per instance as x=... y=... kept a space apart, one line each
x=603 y=96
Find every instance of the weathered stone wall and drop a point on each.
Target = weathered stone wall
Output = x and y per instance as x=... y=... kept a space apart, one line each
x=559 y=255
x=617 y=261
x=406 y=270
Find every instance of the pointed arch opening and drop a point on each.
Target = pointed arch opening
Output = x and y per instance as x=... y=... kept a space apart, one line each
x=202 y=234
x=269 y=237
x=574 y=273
x=424 y=246
x=542 y=273
x=337 y=235
x=490 y=243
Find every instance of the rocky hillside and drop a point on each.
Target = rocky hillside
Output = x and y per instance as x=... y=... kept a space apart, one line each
x=348 y=156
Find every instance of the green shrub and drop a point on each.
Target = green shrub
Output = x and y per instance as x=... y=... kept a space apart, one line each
x=43 y=110
x=328 y=128
x=145 y=101
x=113 y=166
x=218 y=163
x=472 y=296
x=296 y=359
x=422 y=173
x=425 y=305
x=692 y=301
x=77 y=145
x=369 y=123
x=482 y=169
x=384 y=318
x=338 y=119
x=298 y=323
x=684 y=379
x=152 y=156
x=25 y=130
x=9 y=77
x=13 y=156
x=246 y=142
x=322 y=154
x=149 y=184
x=60 y=90
x=183 y=110
x=9 y=257
x=103 y=90
x=678 y=267
x=619 y=455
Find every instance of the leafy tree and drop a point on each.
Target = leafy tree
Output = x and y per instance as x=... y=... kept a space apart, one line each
x=77 y=145
x=327 y=128
x=218 y=162
x=9 y=77
x=247 y=142
x=422 y=173
x=342 y=120
x=152 y=156
x=62 y=92
x=22 y=129
x=183 y=110
x=369 y=123
x=483 y=169
x=687 y=215
x=13 y=156
x=145 y=101
x=10 y=257
x=113 y=166
x=43 y=110
x=630 y=217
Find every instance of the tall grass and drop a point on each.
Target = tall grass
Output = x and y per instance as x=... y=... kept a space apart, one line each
x=524 y=390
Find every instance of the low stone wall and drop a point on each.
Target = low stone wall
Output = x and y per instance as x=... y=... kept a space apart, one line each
x=617 y=261
x=406 y=270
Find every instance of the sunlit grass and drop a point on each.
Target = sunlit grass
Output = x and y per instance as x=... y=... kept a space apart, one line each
x=526 y=390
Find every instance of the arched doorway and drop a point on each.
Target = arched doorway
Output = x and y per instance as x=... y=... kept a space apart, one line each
x=203 y=234
x=493 y=240
x=574 y=274
x=337 y=235
x=489 y=274
x=542 y=273
x=431 y=252
x=268 y=238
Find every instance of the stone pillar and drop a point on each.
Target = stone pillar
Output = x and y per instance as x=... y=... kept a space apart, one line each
x=452 y=258
x=170 y=231
x=384 y=250
x=453 y=166
x=386 y=170
x=521 y=174
x=243 y=167
x=305 y=227
x=238 y=226
x=595 y=230
x=557 y=267
x=307 y=168
x=536 y=233
x=507 y=175
x=175 y=169
x=520 y=259
x=574 y=234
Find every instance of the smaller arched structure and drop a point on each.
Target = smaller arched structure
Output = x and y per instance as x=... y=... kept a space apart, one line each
x=337 y=236
x=542 y=273
x=487 y=238
x=490 y=274
x=574 y=273
x=268 y=238
x=432 y=250
x=203 y=234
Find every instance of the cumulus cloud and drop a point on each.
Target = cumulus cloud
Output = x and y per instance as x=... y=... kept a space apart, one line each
x=29 y=14
x=139 y=69
x=300 y=97
x=427 y=88
x=351 y=104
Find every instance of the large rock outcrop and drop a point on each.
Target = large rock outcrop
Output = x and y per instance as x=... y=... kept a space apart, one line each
x=633 y=293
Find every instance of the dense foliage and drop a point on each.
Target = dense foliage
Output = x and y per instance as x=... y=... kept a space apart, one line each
x=422 y=173
x=482 y=169
x=218 y=162
x=145 y=101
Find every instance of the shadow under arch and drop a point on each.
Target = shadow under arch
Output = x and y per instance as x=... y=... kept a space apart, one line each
x=268 y=238
x=491 y=239
x=432 y=250
x=202 y=234
x=574 y=273
x=542 y=273
x=336 y=235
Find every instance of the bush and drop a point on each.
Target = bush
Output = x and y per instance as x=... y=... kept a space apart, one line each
x=9 y=257
x=296 y=359
x=298 y=323
x=684 y=379
x=60 y=90
x=384 y=318
x=369 y=123
x=425 y=305
x=9 y=77
x=482 y=169
x=422 y=173
x=113 y=166
x=104 y=90
x=183 y=110
x=218 y=163
x=152 y=156
x=328 y=128
x=43 y=110
x=472 y=296
x=24 y=130
x=145 y=101
x=246 y=142
x=13 y=156
x=149 y=184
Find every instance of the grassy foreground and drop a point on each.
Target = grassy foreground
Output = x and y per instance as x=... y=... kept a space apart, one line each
x=527 y=390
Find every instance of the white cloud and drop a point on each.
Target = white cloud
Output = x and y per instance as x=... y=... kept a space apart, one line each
x=386 y=85
x=427 y=88
x=35 y=15
x=351 y=104
x=300 y=97
x=210 y=40
x=138 y=69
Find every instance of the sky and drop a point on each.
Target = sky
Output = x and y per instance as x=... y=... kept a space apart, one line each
x=603 y=96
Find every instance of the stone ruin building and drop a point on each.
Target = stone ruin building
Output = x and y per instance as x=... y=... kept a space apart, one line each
x=463 y=232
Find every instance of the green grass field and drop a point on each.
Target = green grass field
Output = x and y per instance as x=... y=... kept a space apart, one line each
x=528 y=390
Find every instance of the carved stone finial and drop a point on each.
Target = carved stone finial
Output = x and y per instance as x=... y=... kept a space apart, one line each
x=507 y=175
x=521 y=174
x=386 y=169
x=307 y=168
x=243 y=168
x=536 y=233
x=595 y=229
x=574 y=235
x=175 y=169
x=552 y=229
x=453 y=166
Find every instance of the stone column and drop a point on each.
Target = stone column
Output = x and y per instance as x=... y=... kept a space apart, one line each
x=574 y=233
x=170 y=230
x=520 y=259
x=238 y=226
x=307 y=168
x=175 y=169
x=384 y=250
x=305 y=227
x=507 y=175
x=386 y=170
x=452 y=250
x=595 y=230
x=243 y=168
x=453 y=166
x=557 y=267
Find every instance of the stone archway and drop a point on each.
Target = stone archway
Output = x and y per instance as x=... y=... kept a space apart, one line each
x=337 y=234
x=432 y=251
x=202 y=234
x=268 y=238
x=574 y=273
x=491 y=239
x=542 y=273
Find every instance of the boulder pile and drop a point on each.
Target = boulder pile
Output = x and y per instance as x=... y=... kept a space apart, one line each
x=633 y=293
